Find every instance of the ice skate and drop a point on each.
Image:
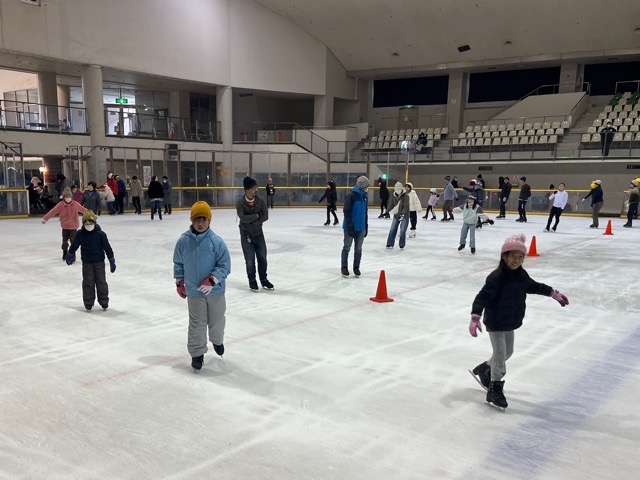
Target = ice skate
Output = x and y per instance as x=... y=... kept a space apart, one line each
x=266 y=284
x=495 y=397
x=196 y=362
x=482 y=374
x=219 y=349
x=344 y=271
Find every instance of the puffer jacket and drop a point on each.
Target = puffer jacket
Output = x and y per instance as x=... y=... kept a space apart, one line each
x=94 y=245
x=68 y=214
x=355 y=211
x=503 y=298
x=470 y=215
x=414 y=200
x=196 y=256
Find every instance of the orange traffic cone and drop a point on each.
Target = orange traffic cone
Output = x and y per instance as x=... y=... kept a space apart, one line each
x=607 y=231
x=533 y=249
x=381 y=294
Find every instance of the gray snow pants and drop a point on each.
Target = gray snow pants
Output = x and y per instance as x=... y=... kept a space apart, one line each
x=205 y=312
x=502 y=344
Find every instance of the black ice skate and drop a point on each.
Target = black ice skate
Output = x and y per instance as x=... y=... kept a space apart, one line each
x=266 y=284
x=344 y=271
x=219 y=349
x=356 y=271
x=196 y=362
x=495 y=397
x=482 y=374
x=253 y=285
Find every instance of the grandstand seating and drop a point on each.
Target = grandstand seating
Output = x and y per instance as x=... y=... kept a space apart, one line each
x=391 y=140
x=623 y=111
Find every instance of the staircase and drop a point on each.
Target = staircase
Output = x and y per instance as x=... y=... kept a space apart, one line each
x=569 y=145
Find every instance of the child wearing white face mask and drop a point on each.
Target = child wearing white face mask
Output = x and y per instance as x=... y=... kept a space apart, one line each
x=93 y=244
x=68 y=210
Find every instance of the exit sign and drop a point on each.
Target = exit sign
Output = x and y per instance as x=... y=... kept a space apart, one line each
x=122 y=100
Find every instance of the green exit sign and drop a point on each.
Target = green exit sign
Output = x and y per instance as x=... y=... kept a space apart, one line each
x=122 y=100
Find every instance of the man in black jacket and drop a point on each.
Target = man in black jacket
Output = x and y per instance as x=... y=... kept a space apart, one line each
x=606 y=137
x=523 y=198
x=505 y=191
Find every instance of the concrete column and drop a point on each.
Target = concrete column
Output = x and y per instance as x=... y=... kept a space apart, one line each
x=64 y=100
x=224 y=115
x=48 y=98
x=457 y=100
x=571 y=76
x=92 y=91
x=323 y=111
x=179 y=108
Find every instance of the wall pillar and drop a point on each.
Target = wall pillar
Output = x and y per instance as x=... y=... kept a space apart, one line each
x=180 y=108
x=224 y=115
x=457 y=100
x=92 y=93
x=323 y=111
x=571 y=77
x=48 y=99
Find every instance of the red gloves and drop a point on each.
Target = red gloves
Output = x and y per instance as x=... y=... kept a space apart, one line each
x=180 y=289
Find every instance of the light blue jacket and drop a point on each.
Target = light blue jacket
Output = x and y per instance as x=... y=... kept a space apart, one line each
x=198 y=256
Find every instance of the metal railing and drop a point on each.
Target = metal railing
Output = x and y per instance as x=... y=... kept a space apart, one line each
x=43 y=117
x=263 y=132
x=141 y=125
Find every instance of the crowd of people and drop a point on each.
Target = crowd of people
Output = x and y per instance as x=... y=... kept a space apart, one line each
x=202 y=260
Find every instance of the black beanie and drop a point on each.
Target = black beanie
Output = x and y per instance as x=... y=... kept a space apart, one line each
x=248 y=183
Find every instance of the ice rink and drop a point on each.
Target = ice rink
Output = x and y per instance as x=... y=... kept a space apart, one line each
x=317 y=381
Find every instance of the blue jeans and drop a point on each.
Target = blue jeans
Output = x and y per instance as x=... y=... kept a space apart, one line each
x=156 y=205
x=357 y=253
x=468 y=227
x=254 y=247
x=391 y=239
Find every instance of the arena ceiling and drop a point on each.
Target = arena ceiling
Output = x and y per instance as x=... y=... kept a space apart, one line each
x=388 y=38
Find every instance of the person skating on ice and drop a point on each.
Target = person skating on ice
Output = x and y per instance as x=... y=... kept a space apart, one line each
x=400 y=209
x=523 y=198
x=503 y=301
x=384 y=198
x=68 y=211
x=94 y=245
x=331 y=196
x=201 y=264
x=634 y=198
x=560 y=198
x=472 y=214
x=415 y=208
x=355 y=225
x=252 y=212
x=597 y=202
x=431 y=204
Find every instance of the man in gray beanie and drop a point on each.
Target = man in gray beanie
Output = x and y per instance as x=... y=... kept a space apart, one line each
x=355 y=224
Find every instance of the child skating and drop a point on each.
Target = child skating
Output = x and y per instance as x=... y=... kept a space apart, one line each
x=471 y=214
x=93 y=244
x=201 y=263
x=68 y=210
x=431 y=204
x=503 y=300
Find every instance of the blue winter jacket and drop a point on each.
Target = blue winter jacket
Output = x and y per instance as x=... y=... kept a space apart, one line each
x=195 y=257
x=355 y=210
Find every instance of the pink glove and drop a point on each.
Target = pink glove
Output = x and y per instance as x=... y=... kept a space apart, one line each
x=180 y=289
x=475 y=325
x=560 y=298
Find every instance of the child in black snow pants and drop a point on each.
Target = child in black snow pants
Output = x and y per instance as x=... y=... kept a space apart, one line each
x=93 y=245
x=503 y=299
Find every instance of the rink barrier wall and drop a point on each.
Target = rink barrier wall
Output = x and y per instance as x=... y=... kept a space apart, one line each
x=14 y=203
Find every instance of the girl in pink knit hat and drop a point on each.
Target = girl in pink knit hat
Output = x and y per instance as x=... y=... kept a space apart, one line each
x=503 y=300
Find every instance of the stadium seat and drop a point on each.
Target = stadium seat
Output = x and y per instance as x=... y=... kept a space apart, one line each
x=628 y=137
x=586 y=138
x=553 y=139
x=455 y=143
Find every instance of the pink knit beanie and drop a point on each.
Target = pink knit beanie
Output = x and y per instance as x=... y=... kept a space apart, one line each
x=515 y=243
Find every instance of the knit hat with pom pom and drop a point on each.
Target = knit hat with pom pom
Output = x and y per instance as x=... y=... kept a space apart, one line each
x=514 y=243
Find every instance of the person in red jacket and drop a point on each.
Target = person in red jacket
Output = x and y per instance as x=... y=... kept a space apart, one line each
x=113 y=184
x=68 y=210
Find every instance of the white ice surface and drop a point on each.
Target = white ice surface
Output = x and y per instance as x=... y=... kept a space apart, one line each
x=317 y=381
